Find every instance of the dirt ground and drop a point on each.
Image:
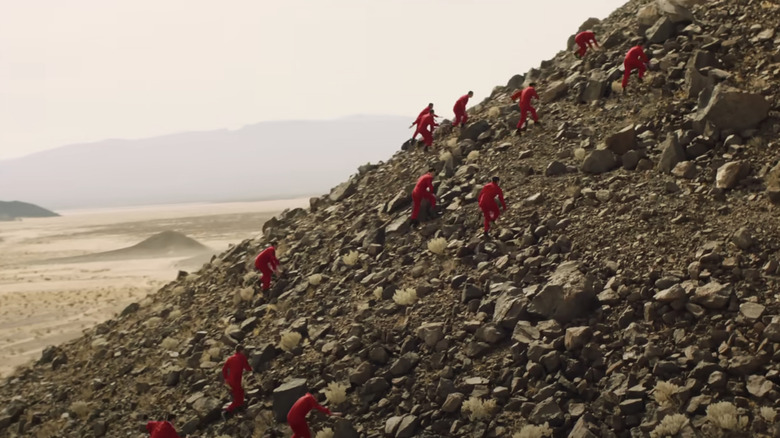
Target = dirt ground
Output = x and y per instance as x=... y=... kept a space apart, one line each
x=46 y=304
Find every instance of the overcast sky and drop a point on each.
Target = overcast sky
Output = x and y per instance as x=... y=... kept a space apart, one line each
x=86 y=70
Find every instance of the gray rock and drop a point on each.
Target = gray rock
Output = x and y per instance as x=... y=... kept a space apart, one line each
x=730 y=174
x=404 y=364
x=671 y=154
x=713 y=295
x=547 y=411
x=471 y=292
x=675 y=11
x=743 y=239
x=660 y=31
x=431 y=333
x=685 y=169
x=751 y=311
x=343 y=190
x=730 y=108
x=407 y=427
x=474 y=130
x=285 y=395
x=622 y=141
x=772 y=331
x=568 y=295
x=554 y=91
x=344 y=429
x=362 y=374
x=490 y=333
x=630 y=160
x=595 y=88
x=576 y=337
x=599 y=161
x=673 y=293
x=207 y=408
x=452 y=403
x=555 y=168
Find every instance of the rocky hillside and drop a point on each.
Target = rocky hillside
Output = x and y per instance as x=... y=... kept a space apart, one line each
x=11 y=210
x=629 y=291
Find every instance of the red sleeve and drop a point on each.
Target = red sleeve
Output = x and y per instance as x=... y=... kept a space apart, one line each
x=322 y=409
x=517 y=94
x=246 y=365
x=533 y=90
x=152 y=425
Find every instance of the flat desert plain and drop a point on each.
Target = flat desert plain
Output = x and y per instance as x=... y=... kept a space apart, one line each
x=61 y=275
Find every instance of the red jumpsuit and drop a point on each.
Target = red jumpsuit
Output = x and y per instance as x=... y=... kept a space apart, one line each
x=584 y=40
x=266 y=262
x=425 y=128
x=232 y=372
x=525 y=95
x=460 y=110
x=425 y=111
x=161 y=429
x=635 y=59
x=487 y=202
x=296 y=418
x=423 y=190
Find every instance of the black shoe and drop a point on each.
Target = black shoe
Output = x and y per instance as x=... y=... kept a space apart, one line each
x=414 y=223
x=486 y=235
x=225 y=415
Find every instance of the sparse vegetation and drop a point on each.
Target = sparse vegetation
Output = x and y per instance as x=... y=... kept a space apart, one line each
x=472 y=156
x=664 y=394
x=169 y=344
x=153 y=322
x=768 y=414
x=378 y=293
x=325 y=433
x=669 y=426
x=351 y=258
x=315 y=279
x=725 y=416
x=437 y=245
x=478 y=409
x=289 y=340
x=263 y=422
x=336 y=393
x=81 y=409
x=247 y=293
x=533 y=431
x=405 y=297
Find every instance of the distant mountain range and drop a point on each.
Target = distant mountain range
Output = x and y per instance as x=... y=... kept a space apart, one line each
x=15 y=209
x=268 y=160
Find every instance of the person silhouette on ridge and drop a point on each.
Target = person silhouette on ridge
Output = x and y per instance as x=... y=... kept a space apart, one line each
x=460 y=109
x=487 y=202
x=584 y=40
x=525 y=95
x=267 y=263
x=296 y=418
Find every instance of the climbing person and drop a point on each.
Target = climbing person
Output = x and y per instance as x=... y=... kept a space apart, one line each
x=296 y=418
x=425 y=128
x=232 y=372
x=584 y=40
x=267 y=263
x=460 y=109
x=525 y=95
x=635 y=59
x=162 y=429
x=487 y=202
x=422 y=190
x=425 y=111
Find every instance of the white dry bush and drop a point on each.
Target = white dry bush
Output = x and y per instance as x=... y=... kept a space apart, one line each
x=169 y=344
x=247 y=293
x=478 y=409
x=336 y=393
x=175 y=313
x=405 y=297
x=725 y=416
x=81 y=409
x=153 y=321
x=437 y=245
x=669 y=426
x=315 y=279
x=768 y=414
x=532 y=431
x=350 y=258
x=664 y=393
x=250 y=277
x=472 y=156
x=289 y=340
x=445 y=155
x=378 y=293
x=325 y=433
x=214 y=353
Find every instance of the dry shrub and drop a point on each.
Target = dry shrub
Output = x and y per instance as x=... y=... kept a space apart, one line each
x=478 y=409
x=82 y=409
x=405 y=297
x=437 y=245
x=214 y=353
x=175 y=313
x=350 y=258
x=768 y=414
x=664 y=394
x=315 y=279
x=247 y=293
x=325 y=433
x=445 y=155
x=725 y=416
x=178 y=290
x=472 y=156
x=378 y=293
x=669 y=426
x=289 y=340
x=336 y=393
x=153 y=322
x=532 y=431
x=169 y=344
x=250 y=277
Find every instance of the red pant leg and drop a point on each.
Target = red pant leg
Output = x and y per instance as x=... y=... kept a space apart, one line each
x=491 y=213
x=427 y=137
x=416 y=200
x=626 y=73
x=266 y=277
x=523 y=116
x=300 y=429
x=583 y=49
x=238 y=396
x=533 y=113
x=458 y=118
x=642 y=69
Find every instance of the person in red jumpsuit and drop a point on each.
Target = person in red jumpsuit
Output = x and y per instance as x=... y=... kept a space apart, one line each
x=584 y=40
x=232 y=372
x=296 y=418
x=425 y=111
x=425 y=128
x=161 y=429
x=267 y=263
x=525 y=95
x=487 y=202
x=460 y=109
x=635 y=59
x=422 y=190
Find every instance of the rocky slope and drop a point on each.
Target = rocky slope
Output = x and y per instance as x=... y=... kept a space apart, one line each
x=630 y=290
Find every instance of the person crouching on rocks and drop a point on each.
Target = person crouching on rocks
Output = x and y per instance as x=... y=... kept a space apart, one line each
x=422 y=190
x=487 y=202
x=267 y=263
x=162 y=429
x=296 y=418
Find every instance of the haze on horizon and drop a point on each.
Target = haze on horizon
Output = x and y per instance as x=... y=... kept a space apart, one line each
x=88 y=70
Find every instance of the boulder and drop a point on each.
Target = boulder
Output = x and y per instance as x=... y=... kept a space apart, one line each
x=285 y=395
x=599 y=161
x=730 y=174
x=622 y=141
x=576 y=337
x=343 y=190
x=676 y=12
x=473 y=130
x=554 y=91
x=595 y=88
x=671 y=154
x=569 y=294
x=431 y=333
x=661 y=30
x=713 y=295
x=733 y=109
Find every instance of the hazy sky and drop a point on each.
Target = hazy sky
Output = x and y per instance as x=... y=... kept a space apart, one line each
x=85 y=70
